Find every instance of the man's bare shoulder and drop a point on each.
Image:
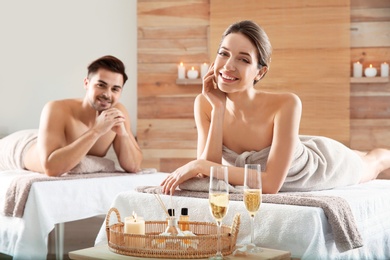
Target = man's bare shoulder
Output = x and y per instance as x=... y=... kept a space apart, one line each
x=61 y=107
x=63 y=104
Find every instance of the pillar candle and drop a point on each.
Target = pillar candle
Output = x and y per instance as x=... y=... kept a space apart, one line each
x=192 y=73
x=384 y=69
x=357 y=70
x=181 y=71
x=203 y=69
x=370 y=71
x=135 y=225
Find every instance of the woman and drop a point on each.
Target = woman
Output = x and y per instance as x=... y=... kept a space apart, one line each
x=239 y=124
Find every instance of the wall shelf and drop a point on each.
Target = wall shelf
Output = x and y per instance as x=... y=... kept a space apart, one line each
x=370 y=80
x=197 y=81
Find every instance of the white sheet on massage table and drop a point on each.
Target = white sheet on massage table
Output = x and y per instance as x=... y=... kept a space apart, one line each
x=54 y=202
x=304 y=231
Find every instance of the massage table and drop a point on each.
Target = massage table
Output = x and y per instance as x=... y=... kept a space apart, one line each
x=52 y=203
x=304 y=231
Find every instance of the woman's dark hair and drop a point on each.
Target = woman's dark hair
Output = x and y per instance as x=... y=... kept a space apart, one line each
x=110 y=63
x=257 y=36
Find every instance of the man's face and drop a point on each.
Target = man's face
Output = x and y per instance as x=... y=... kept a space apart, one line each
x=104 y=89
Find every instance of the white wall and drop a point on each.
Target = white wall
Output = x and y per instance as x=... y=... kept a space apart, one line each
x=46 y=46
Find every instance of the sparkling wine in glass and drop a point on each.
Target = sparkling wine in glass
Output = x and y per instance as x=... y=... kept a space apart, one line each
x=218 y=200
x=252 y=197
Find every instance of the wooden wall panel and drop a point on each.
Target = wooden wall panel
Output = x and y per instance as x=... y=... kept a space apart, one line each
x=177 y=106
x=370 y=44
x=167 y=133
x=370 y=133
x=311 y=55
x=370 y=34
x=169 y=32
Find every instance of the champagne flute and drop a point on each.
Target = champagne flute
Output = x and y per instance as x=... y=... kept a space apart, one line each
x=219 y=200
x=252 y=197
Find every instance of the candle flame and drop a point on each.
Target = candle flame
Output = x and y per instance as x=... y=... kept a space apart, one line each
x=192 y=68
x=181 y=63
x=370 y=65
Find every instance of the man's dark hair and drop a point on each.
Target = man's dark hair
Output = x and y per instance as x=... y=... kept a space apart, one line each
x=110 y=63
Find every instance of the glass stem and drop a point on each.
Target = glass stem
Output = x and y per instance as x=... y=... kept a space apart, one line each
x=252 y=230
x=219 y=253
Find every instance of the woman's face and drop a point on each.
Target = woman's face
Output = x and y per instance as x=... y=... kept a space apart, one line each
x=235 y=67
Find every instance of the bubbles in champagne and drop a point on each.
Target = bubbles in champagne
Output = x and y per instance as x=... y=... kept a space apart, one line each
x=252 y=200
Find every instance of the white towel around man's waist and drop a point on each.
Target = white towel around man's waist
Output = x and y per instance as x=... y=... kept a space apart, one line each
x=319 y=163
x=13 y=148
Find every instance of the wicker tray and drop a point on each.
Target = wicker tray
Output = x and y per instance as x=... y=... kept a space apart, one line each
x=151 y=244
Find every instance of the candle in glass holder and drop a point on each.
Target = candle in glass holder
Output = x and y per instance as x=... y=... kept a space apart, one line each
x=192 y=73
x=370 y=71
x=384 y=69
x=203 y=69
x=357 y=70
x=181 y=71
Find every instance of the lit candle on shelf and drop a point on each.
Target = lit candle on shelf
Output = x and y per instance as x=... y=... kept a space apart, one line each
x=384 y=69
x=203 y=69
x=370 y=71
x=181 y=71
x=357 y=70
x=192 y=73
x=134 y=225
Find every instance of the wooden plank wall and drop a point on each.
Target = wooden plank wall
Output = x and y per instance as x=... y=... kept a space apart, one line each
x=169 y=32
x=370 y=102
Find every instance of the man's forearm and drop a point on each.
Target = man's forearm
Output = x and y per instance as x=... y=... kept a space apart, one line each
x=66 y=158
x=128 y=152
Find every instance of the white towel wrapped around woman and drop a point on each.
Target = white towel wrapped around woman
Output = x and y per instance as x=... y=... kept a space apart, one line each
x=319 y=163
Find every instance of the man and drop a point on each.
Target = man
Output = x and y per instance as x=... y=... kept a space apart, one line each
x=70 y=129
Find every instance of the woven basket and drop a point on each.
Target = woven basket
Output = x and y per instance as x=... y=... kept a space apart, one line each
x=203 y=245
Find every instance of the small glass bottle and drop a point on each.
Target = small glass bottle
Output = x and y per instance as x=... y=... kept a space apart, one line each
x=172 y=228
x=184 y=219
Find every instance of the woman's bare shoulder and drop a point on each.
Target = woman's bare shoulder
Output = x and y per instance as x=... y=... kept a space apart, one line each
x=282 y=99
x=202 y=102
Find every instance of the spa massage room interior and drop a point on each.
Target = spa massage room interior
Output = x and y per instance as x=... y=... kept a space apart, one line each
x=46 y=46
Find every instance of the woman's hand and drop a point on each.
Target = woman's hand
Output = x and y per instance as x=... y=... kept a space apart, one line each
x=213 y=94
x=186 y=172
